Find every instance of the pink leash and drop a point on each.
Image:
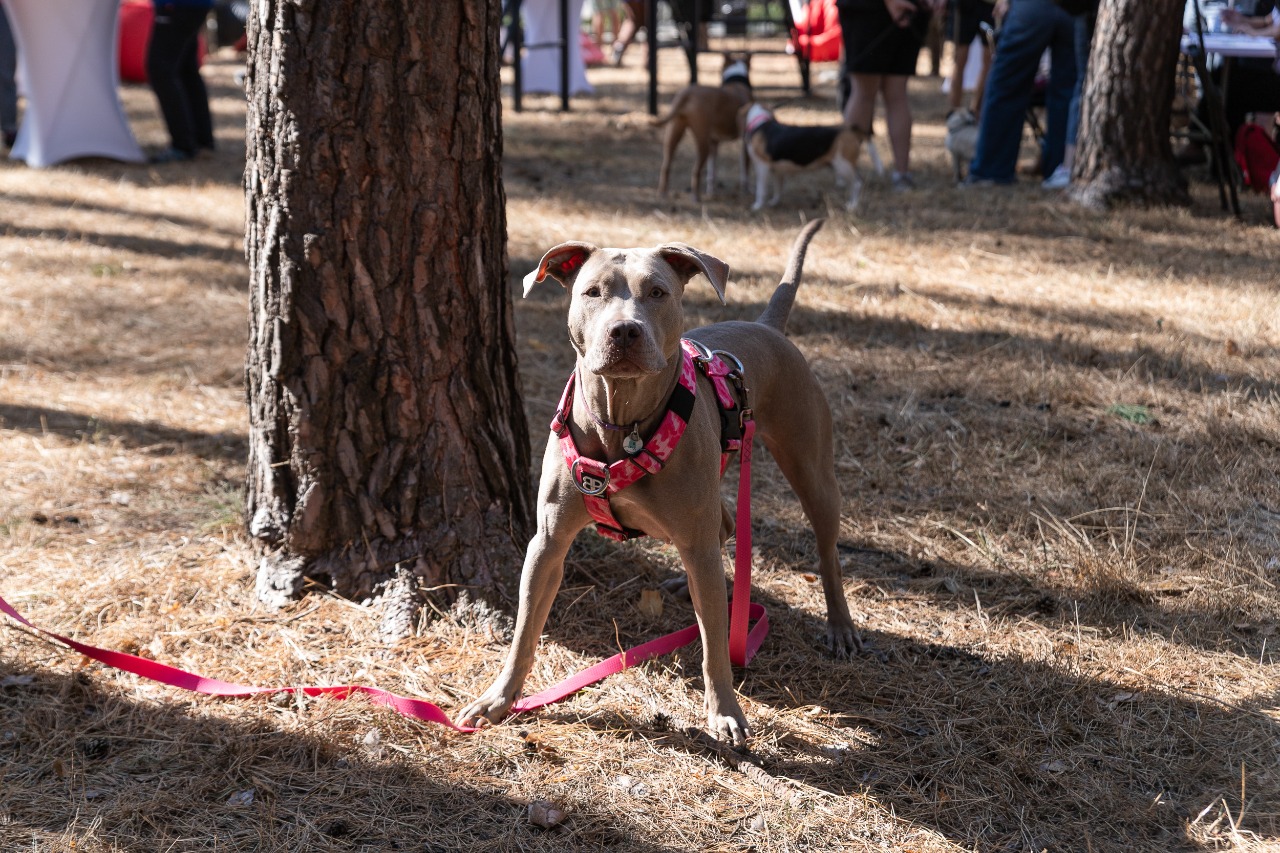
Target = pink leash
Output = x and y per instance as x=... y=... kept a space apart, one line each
x=743 y=643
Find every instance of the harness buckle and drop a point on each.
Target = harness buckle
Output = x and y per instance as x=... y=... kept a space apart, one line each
x=704 y=354
x=738 y=370
x=744 y=416
x=591 y=477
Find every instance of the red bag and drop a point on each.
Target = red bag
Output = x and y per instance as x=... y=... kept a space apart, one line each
x=1257 y=156
x=816 y=35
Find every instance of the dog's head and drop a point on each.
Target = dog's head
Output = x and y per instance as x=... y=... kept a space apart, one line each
x=625 y=313
x=736 y=72
x=959 y=119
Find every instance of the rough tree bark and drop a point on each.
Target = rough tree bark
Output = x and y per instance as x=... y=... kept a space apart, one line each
x=1124 y=153
x=388 y=445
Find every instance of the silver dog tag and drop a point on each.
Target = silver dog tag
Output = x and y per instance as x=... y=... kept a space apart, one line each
x=633 y=444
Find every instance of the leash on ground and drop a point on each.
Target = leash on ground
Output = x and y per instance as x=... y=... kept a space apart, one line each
x=744 y=642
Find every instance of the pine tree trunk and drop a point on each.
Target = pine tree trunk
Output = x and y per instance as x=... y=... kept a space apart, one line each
x=388 y=445
x=1124 y=153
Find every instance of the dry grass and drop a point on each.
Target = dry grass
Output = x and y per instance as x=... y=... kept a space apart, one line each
x=1074 y=612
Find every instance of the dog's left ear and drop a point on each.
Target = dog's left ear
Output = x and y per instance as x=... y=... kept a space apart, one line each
x=561 y=263
x=688 y=261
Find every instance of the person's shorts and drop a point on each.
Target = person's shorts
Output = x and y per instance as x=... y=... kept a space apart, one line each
x=965 y=16
x=683 y=10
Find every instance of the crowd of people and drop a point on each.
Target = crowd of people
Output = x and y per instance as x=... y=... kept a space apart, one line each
x=882 y=40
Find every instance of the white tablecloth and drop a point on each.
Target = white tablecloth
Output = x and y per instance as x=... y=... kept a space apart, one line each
x=1232 y=44
x=541 y=69
x=67 y=61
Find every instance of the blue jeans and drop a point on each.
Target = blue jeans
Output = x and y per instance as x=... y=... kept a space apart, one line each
x=1083 y=38
x=8 y=64
x=1029 y=28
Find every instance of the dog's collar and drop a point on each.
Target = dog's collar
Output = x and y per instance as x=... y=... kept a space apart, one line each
x=737 y=72
x=757 y=117
x=598 y=480
x=632 y=444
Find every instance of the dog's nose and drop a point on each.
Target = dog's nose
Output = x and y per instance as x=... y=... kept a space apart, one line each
x=624 y=332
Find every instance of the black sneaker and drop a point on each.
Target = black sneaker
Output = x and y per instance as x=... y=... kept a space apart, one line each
x=170 y=155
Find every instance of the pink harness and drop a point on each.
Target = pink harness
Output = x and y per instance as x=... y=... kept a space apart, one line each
x=597 y=480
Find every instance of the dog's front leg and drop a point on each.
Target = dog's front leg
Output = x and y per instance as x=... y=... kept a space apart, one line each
x=762 y=184
x=539 y=581
x=849 y=173
x=711 y=169
x=725 y=719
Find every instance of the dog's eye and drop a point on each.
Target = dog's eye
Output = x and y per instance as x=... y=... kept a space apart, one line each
x=592 y=291
x=657 y=293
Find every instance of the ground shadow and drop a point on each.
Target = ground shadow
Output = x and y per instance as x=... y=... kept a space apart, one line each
x=78 y=757
x=995 y=752
x=141 y=435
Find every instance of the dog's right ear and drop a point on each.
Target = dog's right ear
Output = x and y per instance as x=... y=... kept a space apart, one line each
x=561 y=263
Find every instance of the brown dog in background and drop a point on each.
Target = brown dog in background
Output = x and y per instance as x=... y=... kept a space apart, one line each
x=711 y=113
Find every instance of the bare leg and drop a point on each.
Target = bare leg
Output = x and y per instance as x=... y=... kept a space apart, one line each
x=956 y=95
x=898 y=118
x=861 y=107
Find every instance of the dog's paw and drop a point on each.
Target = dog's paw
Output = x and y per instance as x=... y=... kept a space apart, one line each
x=843 y=640
x=489 y=709
x=731 y=729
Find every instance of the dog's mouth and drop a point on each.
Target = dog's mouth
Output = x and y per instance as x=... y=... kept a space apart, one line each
x=625 y=363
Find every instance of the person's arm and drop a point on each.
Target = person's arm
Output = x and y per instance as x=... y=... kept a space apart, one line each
x=1264 y=26
x=902 y=11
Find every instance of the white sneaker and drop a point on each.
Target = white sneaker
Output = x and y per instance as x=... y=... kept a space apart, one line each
x=1059 y=180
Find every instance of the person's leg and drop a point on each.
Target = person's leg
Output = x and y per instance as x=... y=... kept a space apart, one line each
x=197 y=96
x=1062 y=81
x=1008 y=91
x=897 y=110
x=170 y=35
x=984 y=71
x=8 y=89
x=860 y=111
x=955 y=96
x=1083 y=35
x=631 y=13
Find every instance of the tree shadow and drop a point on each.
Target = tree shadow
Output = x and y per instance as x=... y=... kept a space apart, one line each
x=80 y=759
x=140 y=435
x=78 y=205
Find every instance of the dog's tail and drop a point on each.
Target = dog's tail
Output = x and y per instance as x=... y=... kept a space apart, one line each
x=676 y=105
x=779 y=308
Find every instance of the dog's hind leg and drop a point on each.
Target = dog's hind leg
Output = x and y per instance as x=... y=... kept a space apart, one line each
x=675 y=132
x=711 y=168
x=699 y=165
x=804 y=454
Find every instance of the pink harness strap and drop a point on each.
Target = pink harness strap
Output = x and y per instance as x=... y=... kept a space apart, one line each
x=598 y=480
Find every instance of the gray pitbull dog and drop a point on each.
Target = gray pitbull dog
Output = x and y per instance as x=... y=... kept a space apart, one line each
x=626 y=322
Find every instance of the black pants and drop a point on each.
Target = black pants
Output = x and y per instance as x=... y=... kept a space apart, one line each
x=1253 y=88
x=173 y=68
